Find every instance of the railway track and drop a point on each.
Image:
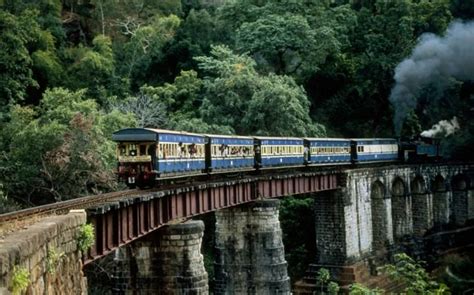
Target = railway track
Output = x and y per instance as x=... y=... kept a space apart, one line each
x=19 y=219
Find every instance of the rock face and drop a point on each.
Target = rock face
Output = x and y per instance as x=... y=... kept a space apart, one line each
x=168 y=261
x=250 y=257
x=47 y=252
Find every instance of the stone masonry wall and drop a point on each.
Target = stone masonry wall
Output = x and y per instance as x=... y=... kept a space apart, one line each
x=403 y=215
x=382 y=210
x=250 y=257
x=48 y=251
x=167 y=261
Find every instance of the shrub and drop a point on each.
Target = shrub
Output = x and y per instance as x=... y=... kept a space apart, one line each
x=20 y=279
x=86 y=237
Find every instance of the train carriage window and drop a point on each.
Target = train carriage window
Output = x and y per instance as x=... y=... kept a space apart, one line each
x=142 y=150
x=132 y=149
x=122 y=150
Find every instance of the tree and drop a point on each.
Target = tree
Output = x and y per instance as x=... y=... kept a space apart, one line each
x=359 y=80
x=286 y=44
x=144 y=48
x=180 y=98
x=58 y=150
x=92 y=68
x=238 y=97
x=16 y=73
x=147 y=111
x=413 y=276
x=297 y=224
x=6 y=203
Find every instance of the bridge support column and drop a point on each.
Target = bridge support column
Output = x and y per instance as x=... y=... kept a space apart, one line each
x=463 y=201
x=344 y=234
x=250 y=257
x=166 y=262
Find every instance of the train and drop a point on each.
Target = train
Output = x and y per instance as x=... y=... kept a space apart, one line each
x=147 y=155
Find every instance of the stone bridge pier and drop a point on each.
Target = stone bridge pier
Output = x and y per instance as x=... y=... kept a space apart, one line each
x=422 y=210
x=250 y=257
x=167 y=261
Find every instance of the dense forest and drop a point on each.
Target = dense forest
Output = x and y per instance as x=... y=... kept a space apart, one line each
x=74 y=71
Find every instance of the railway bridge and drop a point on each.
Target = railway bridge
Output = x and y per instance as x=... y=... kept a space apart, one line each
x=362 y=214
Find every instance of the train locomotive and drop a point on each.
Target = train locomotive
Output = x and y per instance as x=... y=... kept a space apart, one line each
x=146 y=155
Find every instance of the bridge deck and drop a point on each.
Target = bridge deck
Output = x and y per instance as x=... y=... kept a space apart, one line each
x=120 y=222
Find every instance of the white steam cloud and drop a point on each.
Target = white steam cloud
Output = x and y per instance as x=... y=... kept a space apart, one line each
x=434 y=60
x=443 y=128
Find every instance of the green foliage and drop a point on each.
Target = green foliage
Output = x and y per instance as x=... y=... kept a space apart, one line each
x=297 y=224
x=20 y=280
x=86 y=237
x=238 y=97
x=53 y=259
x=57 y=151
x=143 y=49
x=248 y=67
x=15 y=61
x=413 y=276
x=322 y=277
x=287 y=44
x=93 y=68
x=359 y=289
x=7 y=204
x=455 y=271
x=333 y=288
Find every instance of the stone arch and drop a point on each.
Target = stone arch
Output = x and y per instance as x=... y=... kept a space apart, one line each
x=418 y=185
x=440 y=201
x=379 y=215
x=460 y=201
x=439 y=184
x=401 y=208
x=460 y=182
x=398 y=187
x=422 y=209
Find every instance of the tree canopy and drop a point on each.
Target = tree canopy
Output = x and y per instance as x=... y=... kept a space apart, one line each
x=78 y=70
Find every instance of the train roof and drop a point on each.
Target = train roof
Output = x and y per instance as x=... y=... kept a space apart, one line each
x=146 y=134
x=327 y=139
x=228 y=136
x=276 y=138
x=369 y=139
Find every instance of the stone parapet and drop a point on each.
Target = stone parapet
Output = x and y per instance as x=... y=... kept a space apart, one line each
x=48 y=251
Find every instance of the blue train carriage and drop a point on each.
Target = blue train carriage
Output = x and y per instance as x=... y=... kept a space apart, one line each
x=145 y=154
x=327 y=150
x=225 y=153
x=278 y=151
x=374 y=149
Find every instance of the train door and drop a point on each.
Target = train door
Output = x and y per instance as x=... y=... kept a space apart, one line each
x=354 y=158
x=307 y=152
x=257 y=144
